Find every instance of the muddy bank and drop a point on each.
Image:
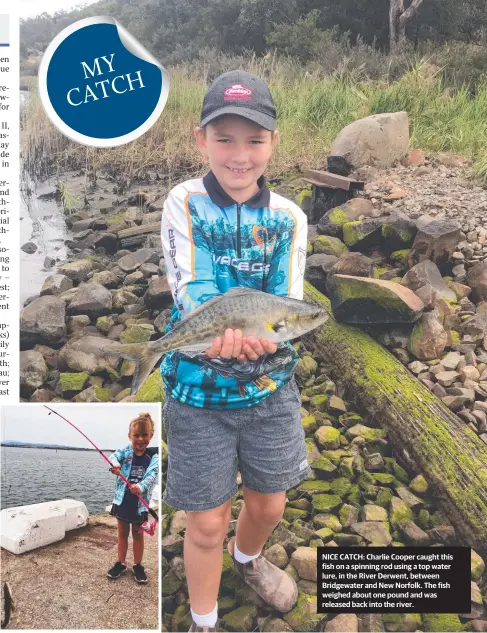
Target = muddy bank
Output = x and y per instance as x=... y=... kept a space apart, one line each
x=65 y=586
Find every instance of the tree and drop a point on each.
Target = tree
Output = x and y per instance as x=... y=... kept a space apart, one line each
x=399 y=18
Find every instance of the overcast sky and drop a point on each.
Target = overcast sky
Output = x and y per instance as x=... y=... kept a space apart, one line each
x=31 y=8
x=107 y=425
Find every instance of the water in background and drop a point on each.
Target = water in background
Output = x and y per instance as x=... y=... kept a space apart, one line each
x=35 y=475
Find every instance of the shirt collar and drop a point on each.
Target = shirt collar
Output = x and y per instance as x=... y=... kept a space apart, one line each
x=221 y=198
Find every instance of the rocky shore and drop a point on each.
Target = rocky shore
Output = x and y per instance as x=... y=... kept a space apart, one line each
x=357 y=495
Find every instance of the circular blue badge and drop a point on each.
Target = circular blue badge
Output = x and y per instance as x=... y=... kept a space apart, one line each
x=99 y=85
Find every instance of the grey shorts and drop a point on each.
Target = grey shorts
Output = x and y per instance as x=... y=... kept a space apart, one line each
x=208 y=447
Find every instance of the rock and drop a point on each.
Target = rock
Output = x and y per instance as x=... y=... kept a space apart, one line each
x=398 y=231
x=374 y=532
x=447 y=378
x=419 y=485
x=343 y=623
x=304 y=559
x=242 y=619
x=329 y=245
x=276 y=554
x=106 y=278
x=428 y=338
x=55 y=285
x=318 y=268
x=29 y=248
x=401 y=622
x=361 y=235
x=328 y=438
x=106 y=240
x=326 y=503
x=477 y=281
x=416 y=157
x=33 y=371
x=90 y=354
x=77 y=271
x=158 y=294
x=178 y=522
x=374 y=513
x=43 y=320
x=130 y=263
x=303 y=617
x=442 y=622
x=408 y=497
x=138 y=333
x=172 y=545
x=354 y=264
x=377 y=140
x=363 y=300
x=477 y=566
x=435 y=241
x=92 y=299
x=49 y=262
x=273 y=625
x=413 y=534
x=426 y=273
x=348 y=515
x=332 y=222
x=451 y=360
x=72 y=381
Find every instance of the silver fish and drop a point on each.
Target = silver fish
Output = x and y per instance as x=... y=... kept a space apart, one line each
x=255 y=313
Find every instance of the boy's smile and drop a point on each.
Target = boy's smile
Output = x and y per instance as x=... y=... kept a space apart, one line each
x=238 y=152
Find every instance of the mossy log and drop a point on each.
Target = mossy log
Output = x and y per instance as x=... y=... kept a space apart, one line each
x=425 y=434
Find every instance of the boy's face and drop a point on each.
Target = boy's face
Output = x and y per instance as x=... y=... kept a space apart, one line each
x=238 y=152
x=140 y=439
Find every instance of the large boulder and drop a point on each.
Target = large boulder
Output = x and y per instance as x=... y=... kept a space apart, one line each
x=398 y=231
x=426 y=273
x=90 y=354
x=43 y=320
x=129 y=263
x=33 y=371
x=477 y=280
x=355 y=264
x=77 y=271
x=332 y=222
x=361 y=300
x=380 y=140
x=56 y=284
x=158 y=294
x=436 y=241
x=363 y=234
x=92 y=299
x=428 y=338
x=318 y=268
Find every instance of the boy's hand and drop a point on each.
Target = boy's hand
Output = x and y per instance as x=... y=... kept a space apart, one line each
x=115 y=470
x=135 y=489
x=234 y=345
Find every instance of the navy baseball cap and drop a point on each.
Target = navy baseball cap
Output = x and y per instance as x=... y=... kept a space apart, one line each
x=239 y=92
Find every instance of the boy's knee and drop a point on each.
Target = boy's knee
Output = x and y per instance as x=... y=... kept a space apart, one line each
x=208 y=529
x=266 y=508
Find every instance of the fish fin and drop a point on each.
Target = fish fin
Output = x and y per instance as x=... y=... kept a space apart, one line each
x=265 y=382
x=241 y=290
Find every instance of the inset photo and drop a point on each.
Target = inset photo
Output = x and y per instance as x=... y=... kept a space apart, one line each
x=80 y=494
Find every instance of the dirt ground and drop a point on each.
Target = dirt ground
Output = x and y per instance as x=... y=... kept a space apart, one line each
x=65 y=585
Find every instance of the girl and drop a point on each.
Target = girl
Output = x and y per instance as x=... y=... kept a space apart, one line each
x=137 y=465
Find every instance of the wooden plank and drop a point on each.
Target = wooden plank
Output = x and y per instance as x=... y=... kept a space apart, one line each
x=144 y=229
x=334 y=181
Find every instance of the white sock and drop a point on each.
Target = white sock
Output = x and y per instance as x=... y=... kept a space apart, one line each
x=243 y=558
x=205 y=620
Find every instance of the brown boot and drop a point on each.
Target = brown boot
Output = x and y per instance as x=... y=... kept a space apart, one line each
x=272 y=584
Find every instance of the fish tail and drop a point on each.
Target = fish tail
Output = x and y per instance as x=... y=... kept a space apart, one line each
x=145 y=356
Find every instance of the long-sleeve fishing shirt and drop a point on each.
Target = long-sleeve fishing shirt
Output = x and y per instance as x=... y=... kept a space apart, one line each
x=211 y=244
x=123 y=457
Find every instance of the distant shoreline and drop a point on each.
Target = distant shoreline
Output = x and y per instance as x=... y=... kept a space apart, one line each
x=50 y=447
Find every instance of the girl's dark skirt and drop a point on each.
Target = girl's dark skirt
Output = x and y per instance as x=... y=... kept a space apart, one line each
x=117 y=511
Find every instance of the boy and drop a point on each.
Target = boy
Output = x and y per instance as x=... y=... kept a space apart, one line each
x=224 y=230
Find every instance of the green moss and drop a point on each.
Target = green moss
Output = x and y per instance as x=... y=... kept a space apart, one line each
x=351 y=233
x=72 y=381
x=329 y=245
x=401 y=622
x=290 y=514
x=326 y=503
x=140 y=333
x=303 y=616
x=442 y=622
x=400 y=257
x=170 y=584
x=302 y=195
x=115 y=218
x=338 y=216
x=317 y=485
x=378 y=272
x=341 y=487
x=382 y=381
x=152 y=389
x=103 y=395
x=242 y=619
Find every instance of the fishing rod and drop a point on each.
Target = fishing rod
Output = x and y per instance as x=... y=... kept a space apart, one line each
x=145 y=527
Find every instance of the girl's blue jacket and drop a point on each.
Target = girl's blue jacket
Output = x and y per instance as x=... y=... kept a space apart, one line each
x=123 y=458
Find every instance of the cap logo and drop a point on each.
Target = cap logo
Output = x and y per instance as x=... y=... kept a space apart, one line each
x=237 y=91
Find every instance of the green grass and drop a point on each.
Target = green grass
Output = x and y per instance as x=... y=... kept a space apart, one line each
x=312 y=109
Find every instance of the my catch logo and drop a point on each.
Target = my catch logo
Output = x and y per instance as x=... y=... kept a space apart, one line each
x=253 y=267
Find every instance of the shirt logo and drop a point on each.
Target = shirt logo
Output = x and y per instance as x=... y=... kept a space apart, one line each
x=237 y=91
x=261 y=236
